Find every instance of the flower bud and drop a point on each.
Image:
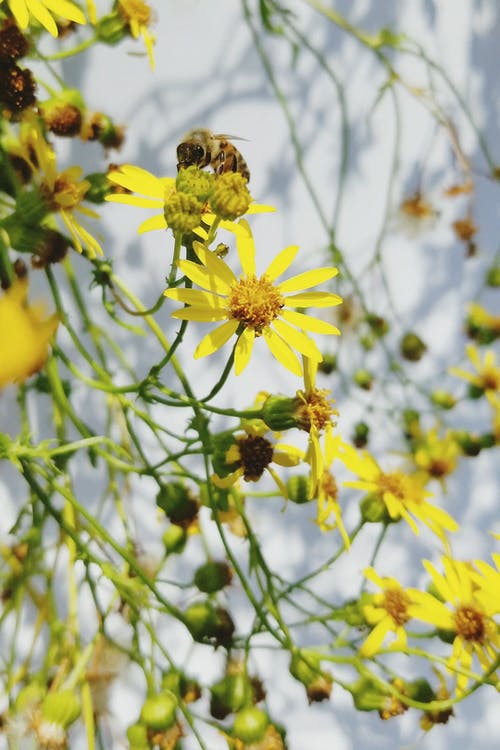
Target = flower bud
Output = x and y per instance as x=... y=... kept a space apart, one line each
x=361 y=432
x=208 y=623
x=212 y=577
x=305 y=666
x=61 y=707
x=158 y=711
x=178 y=503
x=328 y=364
x=137 y=735
x=111 y=29
x=298 y=489
x=374 y=510
x=195 y=182
x=231 y=694
x=368 y=695
x=250 y=724
x=182 y=212
x=443 y=399
x=363 y=379
x=412 y=347
x=378 y=324
x=13 y=44
x=493 y=276
x=174 y=539
x=278 y=412
x=230 y=197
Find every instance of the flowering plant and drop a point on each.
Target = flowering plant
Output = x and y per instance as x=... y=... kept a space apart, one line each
x=166 y=461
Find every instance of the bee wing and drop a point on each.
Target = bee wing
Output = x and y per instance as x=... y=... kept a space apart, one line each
x=230 y=137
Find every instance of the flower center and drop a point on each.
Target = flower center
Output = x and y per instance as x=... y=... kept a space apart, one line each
x=470 y=624
x=314 y=410
x=490 y=379
x=255 y=303
x=393 y=483
x=396 y=603
x=255 y=454
x=329 y=486
x=136 y=10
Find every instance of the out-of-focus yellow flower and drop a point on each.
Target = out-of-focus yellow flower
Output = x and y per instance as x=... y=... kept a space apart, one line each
x=138 y=16
x=389 y=611
x=457 y=608
x=43 y=11
x=487 y=377
x=404 y=495
x=25 y=335
x=327 y=492
x=254 y=307
x=435 y=456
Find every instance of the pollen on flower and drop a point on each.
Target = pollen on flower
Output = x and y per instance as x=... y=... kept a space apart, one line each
x=256 y=453
x=396 y=602
x=255 y=303
x=329 y=486
x=314 y=409
x=393 y=483
x=182 y=212
x=230 y=197
x=470 y=624
x=135 y=10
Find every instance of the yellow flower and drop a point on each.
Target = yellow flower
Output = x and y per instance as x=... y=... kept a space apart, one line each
x=24 y=11
x=137 y=14
x=63 y=191
x=388 y=611
x=155 y=193
x=327 y=492
x=252 y=454
x=25 y=335
x=480 y=318
x=314 y=414
x=437 y=457
x=488 y=582
x=403 y=494
x=487 y=378
x=457 y=608
x=254 y=307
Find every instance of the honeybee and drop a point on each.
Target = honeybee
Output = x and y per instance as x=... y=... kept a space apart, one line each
x=201 y=147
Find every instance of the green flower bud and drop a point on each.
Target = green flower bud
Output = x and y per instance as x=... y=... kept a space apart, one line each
x=230 y=197
x=278 y=412
x=28 y=696
x=250 y=724
x=99 y=188
x=195 y=182
x=374 y=510
x=158 y=711
x=181 y=685
x=111 y=29
x=411 y=423
x=379 y=325
x=412 y=347
x=328 y=364
x=298 y=489
x=208 y=623
x=221 y=444
x=470 y=444
x=420 y=690
x=212 y=577
x=475 y=391
x=493 y=276
x=174 y=539
x=361 y=432
x=178 y=503
x=182 y=212
x=443 y=399
x=137 y=735
x=368 y=695
x=61 y=707
x=231 y=694
x=363 y=379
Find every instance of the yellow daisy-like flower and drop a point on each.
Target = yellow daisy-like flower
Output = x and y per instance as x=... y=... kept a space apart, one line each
x=403 y=495
x=138 y=15
x=155 y=192
x=25 y=335
x=388 y=611
x=480 y=318
x=327 y=492
x=458 y=609
x=314 y=413
x=24 y=11
x=487 y=377
x=252 y=454
x=437 y=457
x=254 y=307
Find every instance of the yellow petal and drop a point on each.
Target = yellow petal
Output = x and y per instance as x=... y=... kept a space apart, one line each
x=297 y=340
x=306 y=323
x=201 y=314
x=243 y=350
x=215 y=265
x=307 y=279
x=313 y=299
x=202 y=276
x=65 y=9
x=195 y=297
x=215 y=339
x=260 y=208
x=246 y=247
x=283 y=260
x=282 y=352
x=43 y=16
x=140 y=181
x=151 y=224
x=134 y=200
